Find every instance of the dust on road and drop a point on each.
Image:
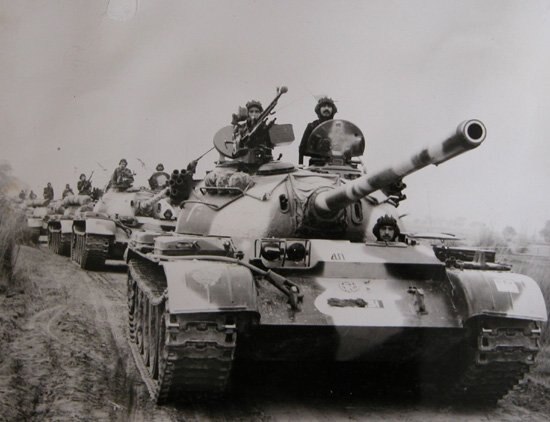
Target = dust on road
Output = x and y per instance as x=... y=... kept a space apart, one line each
x=65 y=357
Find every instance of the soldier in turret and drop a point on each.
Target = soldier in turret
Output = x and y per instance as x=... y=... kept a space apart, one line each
x=32 y=195
x=260 y=137
x=159 y=179
x=122 y=177
x=67 y=191
x=84 y=186
x=48 y=192
x=325 y=110
x=386 y=229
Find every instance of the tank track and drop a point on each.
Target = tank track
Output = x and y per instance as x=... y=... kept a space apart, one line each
x=59 y=243
x=498 y=361
x=34 y=235
x=89 y=251
x=179 y=356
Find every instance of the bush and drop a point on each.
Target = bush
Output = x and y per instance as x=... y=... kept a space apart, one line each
x=12 y=232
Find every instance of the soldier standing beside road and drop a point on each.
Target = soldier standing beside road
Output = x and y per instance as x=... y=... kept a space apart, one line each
x=325 y=110
x=84 y=186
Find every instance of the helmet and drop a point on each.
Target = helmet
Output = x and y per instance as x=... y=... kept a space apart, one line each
x=160 y=167
x=82 y=175
x=254 y=103
x=324 y=101
x=123 y=161
x=386 y=220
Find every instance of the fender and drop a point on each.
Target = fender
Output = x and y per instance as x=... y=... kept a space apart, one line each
x=66 y=226
x=100 y=227
x=34 y=222
x=496 y=293
x=209 y=286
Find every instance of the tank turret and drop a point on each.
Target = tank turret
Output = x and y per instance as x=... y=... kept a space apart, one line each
x=270 y=262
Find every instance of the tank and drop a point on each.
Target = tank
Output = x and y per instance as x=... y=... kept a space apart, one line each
x=60 y=221
x=35 y=212
x=103 y=232
x=280 y=264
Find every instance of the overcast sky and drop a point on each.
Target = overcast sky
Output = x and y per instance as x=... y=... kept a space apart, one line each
x=85 y=83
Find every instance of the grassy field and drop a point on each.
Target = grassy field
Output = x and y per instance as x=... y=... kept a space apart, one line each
x=538 y=268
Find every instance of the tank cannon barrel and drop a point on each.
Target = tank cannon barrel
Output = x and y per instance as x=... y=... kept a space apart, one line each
x=469 y=135
x=147 y=204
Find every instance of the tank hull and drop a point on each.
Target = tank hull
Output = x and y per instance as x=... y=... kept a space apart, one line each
x=364 y=305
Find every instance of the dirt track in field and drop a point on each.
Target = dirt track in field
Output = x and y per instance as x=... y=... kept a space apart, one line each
x=64 y=357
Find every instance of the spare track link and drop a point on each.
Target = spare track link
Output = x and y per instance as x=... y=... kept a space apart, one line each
x=500 y=360
x=189 y=357
x=90 y=251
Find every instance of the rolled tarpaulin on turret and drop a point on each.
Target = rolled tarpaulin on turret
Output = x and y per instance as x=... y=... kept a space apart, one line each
x=76 y=200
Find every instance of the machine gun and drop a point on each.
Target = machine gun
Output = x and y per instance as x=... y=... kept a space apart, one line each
x=244 y=134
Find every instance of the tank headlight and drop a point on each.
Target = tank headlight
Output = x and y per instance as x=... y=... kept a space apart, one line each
x=168 y=214
x=296 y=252
x=270 y=251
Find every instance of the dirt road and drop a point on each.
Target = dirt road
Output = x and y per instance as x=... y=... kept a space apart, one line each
x=65 y=357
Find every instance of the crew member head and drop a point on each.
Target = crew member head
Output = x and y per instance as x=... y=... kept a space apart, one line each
x=123 y=163
x=160 y=167
x=386 y=229
x=254 y=109
x=325 y=108
x=82 y=176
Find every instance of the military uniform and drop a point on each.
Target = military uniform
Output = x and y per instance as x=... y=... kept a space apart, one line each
x=68 y=191
x=311 y=126
x=84 y=187
x=48 y=193
x=122 y=177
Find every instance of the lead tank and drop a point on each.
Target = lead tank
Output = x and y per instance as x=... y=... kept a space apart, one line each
x=280 y=264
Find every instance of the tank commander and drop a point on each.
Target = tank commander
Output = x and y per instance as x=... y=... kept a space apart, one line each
x=325 y=110
x=32 y=195
x=67 y=191
x=48 y=192
x=260 y=137
x=84 y=186
x=386 y=229
x=22 y=195
x=159 y=179
x=122 y=177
